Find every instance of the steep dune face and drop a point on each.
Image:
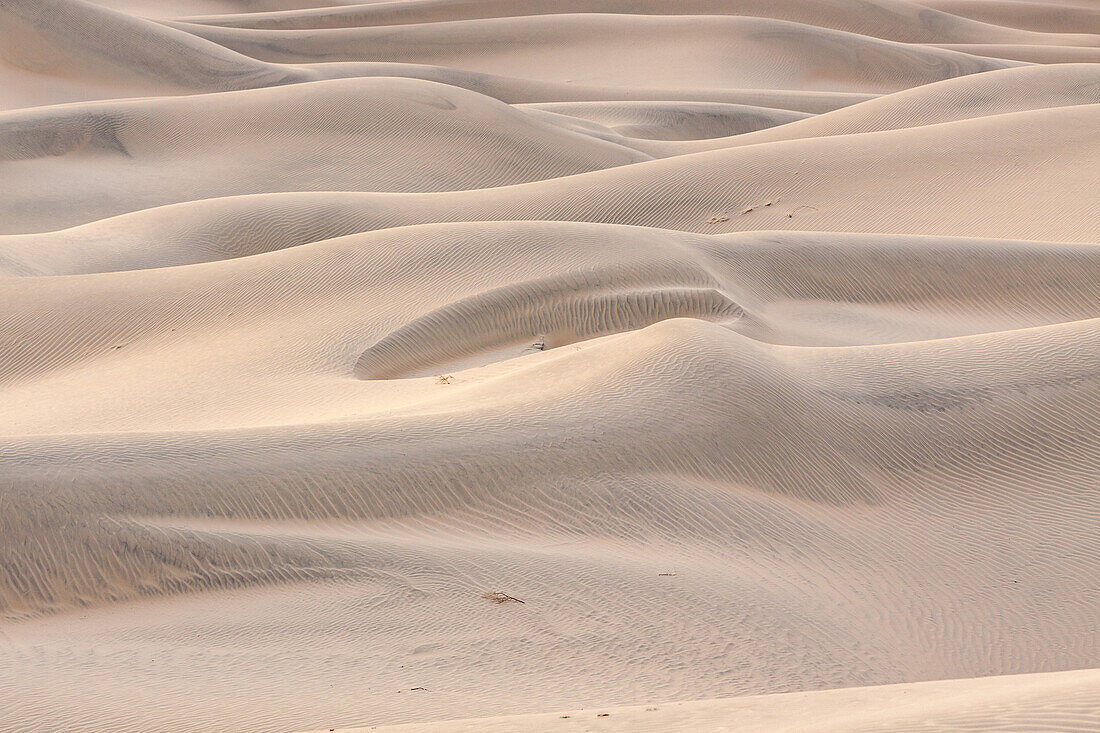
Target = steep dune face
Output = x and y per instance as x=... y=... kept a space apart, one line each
x=401 y=362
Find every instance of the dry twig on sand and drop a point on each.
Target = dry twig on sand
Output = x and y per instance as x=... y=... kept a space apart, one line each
x=792 y=212
x=498 y=597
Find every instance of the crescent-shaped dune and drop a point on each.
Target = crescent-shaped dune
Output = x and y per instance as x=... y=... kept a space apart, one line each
x=549 y=365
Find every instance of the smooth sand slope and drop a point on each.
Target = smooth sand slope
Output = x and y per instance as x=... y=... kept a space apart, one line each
x=443 y=366
x=1066 y=701
x=1023 y=175
x=379 y=135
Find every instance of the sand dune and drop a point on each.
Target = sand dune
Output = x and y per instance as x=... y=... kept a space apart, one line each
x=1030 y=54
x=440 y=365
x=1045 y=17
x=701 y=51
x=858 y=463
x=59 y=51
x=805 y=279
x=1064 y=701
x=675 y=120
x=1028 y=174
x=380 y=133
x=897 y=21
x=75 y=48
x=965 y=98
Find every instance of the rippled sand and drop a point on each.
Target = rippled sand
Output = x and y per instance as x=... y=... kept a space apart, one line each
x=555 y=365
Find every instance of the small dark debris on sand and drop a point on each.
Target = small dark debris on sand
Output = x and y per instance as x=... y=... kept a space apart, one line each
x=792 y=212
x=498 y=597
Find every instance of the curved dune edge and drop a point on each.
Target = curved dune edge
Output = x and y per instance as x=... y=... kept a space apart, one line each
x=62 y=51
x=379 y=134
x=899 y=21
x=844 y=62
x=1055 y=701
x=541 y=316
x=962 y=98
x=1034 y=169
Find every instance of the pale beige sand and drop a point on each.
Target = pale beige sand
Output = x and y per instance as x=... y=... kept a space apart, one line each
x=754 y=346
x=1065 y=701
x=619 y=50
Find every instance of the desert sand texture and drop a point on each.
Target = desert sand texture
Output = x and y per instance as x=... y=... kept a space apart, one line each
x=549 y=365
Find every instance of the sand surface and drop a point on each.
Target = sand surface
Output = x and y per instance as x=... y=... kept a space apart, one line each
x=520 y=365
